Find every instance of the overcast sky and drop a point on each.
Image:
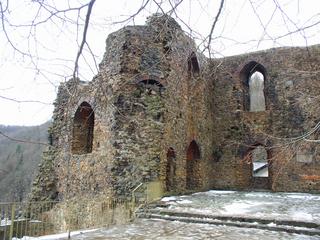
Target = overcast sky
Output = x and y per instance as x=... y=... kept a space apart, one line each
x=34 y=82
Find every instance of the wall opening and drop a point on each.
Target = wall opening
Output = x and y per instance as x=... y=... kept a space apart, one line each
x=170 y=169
x=151 y=86
x=83 y=125
x=260 y=166
x=193 y=65
x=149 y=93
x=193 y=178
x=256 y=92
x=253 y=78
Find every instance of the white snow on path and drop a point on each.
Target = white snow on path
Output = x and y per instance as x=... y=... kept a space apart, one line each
x=302 y=216
x=5 y=222
x=282 y=206
x=240 y=208
x=168 y=199
x=56 y=236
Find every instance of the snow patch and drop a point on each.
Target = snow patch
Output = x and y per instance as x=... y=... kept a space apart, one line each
x=56 y=236
x=272 y=224
x=5 y=222
x=302 y=216
x=239 y=207
x=221 y=191
x=168 y=199
x=184 y=202
x=215 y=192
x=303 y=196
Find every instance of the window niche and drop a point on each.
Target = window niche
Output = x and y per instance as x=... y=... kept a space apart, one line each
x=256 y=92
x=170 y=169
x=193 y=65
x=151 y=87
x=253 y=80
x=193 y=166
x=149 y=93
x=83 y=125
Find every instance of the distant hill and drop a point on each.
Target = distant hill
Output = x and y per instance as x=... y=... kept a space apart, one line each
x=19 y=161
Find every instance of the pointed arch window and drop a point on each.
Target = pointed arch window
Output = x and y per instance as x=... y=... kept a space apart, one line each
x=256 y=92
x=193 y=166
x=83 y=126
x=193 y=65
x=253 y=78
x=170 y=169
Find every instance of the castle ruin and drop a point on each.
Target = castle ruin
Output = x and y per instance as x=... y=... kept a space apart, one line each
x=159 y=111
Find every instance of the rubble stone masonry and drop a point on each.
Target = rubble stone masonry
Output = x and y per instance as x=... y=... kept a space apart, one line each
x=160 y=111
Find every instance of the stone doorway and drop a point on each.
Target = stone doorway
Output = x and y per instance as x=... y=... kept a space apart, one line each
x=260 y=167
x=193 y=166
x=170 y=169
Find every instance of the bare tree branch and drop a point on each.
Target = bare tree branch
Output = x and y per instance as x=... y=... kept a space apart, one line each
x=85 y=30
x=24 y=101
x=213 y=27
x=143 y=6
x=21 y=140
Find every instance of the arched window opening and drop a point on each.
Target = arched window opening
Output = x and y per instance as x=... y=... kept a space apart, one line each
x=260 y=166
x=193 y=65
x=253 y=79
x=193 y=166
x=151 y=86
x=83 y=124
x=256 y=92
x=170 y=169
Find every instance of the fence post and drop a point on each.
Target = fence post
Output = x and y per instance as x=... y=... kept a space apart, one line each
x=133 y=205
x=12 y=221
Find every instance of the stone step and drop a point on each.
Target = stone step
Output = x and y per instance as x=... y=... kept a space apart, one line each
x=298 y=227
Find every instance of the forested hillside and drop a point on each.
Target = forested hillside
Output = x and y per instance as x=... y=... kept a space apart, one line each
x=19 y=160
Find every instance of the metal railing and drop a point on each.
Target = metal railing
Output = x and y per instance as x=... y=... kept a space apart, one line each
x=20 y=219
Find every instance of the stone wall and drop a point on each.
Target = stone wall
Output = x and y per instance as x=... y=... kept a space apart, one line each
x=163 y=112
x=292 y=105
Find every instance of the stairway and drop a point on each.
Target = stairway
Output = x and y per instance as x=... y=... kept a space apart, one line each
x=160 y=210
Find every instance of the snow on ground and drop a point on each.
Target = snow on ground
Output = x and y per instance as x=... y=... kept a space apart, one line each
x=57 y=236
x=302 y=216
x=184 y=201
x=5 y=222
x=239 y=207
x=288 y=206
x=167 y=199
x=146 y=229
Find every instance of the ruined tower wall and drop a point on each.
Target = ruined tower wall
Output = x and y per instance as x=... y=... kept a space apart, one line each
x=145 y=100
x=78 y=172
x=159 y=106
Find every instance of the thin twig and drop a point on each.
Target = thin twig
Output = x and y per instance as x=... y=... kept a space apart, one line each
x=24 y=101
x=213 y=26
x=22 y=140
